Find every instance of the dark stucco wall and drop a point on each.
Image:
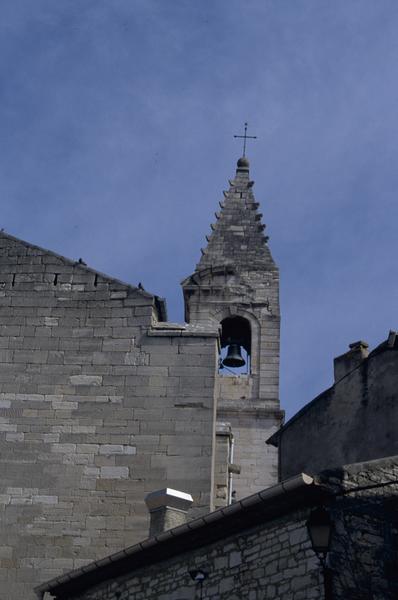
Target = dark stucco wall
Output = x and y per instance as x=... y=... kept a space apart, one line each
x=355 y=420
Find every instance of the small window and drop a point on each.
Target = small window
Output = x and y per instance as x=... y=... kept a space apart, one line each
x=235 y=346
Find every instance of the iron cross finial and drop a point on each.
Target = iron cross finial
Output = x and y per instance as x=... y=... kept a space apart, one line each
x=245 y=137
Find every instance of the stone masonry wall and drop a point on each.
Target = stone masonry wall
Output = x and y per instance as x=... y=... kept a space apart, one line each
x=258 y=462
x=98 y=407
x=250 y=403
x=222 y=475
x=237 y=277
x=273 y=561
x=364 y=550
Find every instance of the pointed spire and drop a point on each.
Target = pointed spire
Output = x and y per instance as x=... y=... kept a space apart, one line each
x=237 y=238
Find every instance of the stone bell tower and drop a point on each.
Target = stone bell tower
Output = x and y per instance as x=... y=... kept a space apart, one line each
x=235 y=286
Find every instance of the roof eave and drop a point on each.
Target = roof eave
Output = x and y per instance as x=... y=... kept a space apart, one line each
x=268 y=504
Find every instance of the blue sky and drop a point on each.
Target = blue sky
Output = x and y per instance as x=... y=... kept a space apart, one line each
x=117 y=120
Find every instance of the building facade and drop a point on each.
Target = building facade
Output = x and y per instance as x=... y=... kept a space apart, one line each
x=235 y=288
x=260 y=547
x=103 y=401
x=355 y=420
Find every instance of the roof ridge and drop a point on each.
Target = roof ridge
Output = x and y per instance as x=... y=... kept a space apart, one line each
x=81 y=265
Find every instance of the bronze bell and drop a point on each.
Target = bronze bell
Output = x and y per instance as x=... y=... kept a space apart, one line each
x=234 y=357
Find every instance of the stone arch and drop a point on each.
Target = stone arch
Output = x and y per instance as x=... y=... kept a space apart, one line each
x=228 y=312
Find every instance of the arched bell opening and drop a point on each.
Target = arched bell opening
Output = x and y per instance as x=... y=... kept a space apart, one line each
x=235 y=355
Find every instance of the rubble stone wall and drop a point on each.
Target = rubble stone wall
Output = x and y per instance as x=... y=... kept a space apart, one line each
x=273 y=562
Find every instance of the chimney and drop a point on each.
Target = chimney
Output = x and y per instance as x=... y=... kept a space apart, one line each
x=347 y=362
x=391 y=340
x=167 y=508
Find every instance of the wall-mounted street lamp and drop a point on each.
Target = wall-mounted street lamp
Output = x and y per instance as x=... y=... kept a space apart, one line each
x=198 y=576
x=320 y=526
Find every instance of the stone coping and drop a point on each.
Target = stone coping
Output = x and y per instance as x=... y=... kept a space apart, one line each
x=160 y=302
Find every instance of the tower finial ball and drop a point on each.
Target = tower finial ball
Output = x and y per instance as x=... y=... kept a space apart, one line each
x=243 y=163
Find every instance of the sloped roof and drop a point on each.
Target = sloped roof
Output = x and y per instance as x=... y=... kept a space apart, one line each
x=300 y=491
x=263 y=506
